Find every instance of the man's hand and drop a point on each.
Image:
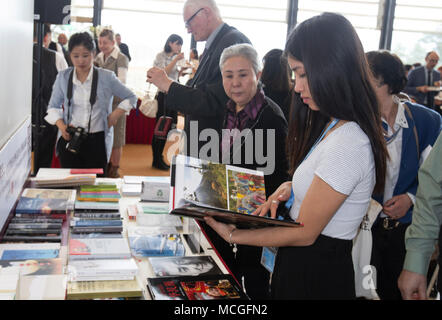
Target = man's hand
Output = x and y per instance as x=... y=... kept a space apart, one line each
x=397 y=206
x=423 y=89
x=412 y=285
x=159 y=78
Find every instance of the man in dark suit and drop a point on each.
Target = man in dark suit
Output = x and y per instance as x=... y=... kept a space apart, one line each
x=123 y=47
x=421 y=78
x=44 y=136
x=203 y=101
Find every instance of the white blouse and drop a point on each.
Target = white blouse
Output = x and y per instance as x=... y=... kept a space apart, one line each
x=344 y=160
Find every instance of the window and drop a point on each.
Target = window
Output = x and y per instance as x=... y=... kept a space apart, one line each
x=362 y=14
x=417 y=29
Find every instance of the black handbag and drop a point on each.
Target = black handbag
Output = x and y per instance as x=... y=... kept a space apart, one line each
x=163 y=125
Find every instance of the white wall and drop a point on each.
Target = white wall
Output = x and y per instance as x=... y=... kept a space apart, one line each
x=16 y=38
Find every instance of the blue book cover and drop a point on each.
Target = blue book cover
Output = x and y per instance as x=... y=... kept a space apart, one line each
x=156 y=245
x=29 y=254
x=42 y=205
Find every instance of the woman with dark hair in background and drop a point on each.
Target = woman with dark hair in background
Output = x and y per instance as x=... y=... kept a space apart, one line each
x=276 y=80
x=334 y=173
x=410 y=131
x=86 y=122
x=167 y=60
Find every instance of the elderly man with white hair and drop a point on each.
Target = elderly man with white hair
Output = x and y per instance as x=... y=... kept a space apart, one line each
x=203 y=101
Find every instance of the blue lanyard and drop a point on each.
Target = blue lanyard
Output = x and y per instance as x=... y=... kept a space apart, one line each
x=289 y=203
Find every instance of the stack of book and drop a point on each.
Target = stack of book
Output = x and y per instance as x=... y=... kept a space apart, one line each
x=133 y=185
x=101 y=267
x=99 y=193
x=45 y=203
x=97 y=210
x=34 y=230
x=40 y=269
x=56 y=177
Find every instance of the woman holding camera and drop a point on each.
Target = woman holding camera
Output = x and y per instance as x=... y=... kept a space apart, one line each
x=85 y=123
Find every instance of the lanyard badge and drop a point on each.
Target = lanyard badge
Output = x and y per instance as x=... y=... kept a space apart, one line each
x=268 y=255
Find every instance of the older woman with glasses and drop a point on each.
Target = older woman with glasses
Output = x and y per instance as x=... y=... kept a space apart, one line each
x=248 y=112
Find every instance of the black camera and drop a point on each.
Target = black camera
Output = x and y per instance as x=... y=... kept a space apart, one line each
x=78 y=135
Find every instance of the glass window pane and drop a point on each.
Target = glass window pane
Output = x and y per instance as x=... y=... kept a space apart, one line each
x=417 y=29
x=362 y=14
x=138 y=21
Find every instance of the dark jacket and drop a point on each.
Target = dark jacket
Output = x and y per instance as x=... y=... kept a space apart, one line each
x=416 y=78
x=204 y=100
x=428 y=126
x=269 y=117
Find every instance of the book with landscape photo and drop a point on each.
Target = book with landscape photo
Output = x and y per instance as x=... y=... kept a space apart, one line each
x=145 y=242
x=213 y=287
x=227 y=193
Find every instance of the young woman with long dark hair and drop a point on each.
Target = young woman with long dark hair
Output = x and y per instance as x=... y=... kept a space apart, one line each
x=337 y=156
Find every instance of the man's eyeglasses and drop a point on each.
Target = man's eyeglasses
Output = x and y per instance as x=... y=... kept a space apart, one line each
x=187 y=23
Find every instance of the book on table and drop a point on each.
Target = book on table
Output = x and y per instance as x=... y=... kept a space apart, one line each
x=229 y=194
x=29 y=251
x=151 y=242
x=188 y=265
x=101 y=270
x=59 y=177
x=46 y=201
x=103 y=289
x=98 y=248
x=213 y=287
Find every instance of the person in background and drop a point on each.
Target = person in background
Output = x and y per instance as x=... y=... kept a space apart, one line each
x=420 y=79
x=86 y=120
x=276 y=80
x=250 y=109
x=203 y=100
x=336 y=159
x=168 y=60
x=51 y=63
x=124 y=48
x=194 y=62
x=112 y=59
x=421 y=236
x=63 y=41
x=410 y=131
x=408 y=68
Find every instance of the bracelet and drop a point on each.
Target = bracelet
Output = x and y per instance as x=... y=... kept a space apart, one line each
x=230 y=236
x=235 y=248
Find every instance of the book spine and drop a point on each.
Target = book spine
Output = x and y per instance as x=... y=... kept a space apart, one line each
x=36 y=216
x=34 y=226
x=97 y=215
x=33 y=238
x=96 y=223
x=33 y=231
x=97 y=229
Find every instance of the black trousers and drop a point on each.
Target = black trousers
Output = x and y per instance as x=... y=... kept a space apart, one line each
x=44 y=145
x=321 y=271
x=388 y=255
x=92 y=153
x=158 y=144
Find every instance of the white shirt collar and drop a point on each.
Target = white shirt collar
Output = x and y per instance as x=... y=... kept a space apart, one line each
x=78 y=82
x=401 y=120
